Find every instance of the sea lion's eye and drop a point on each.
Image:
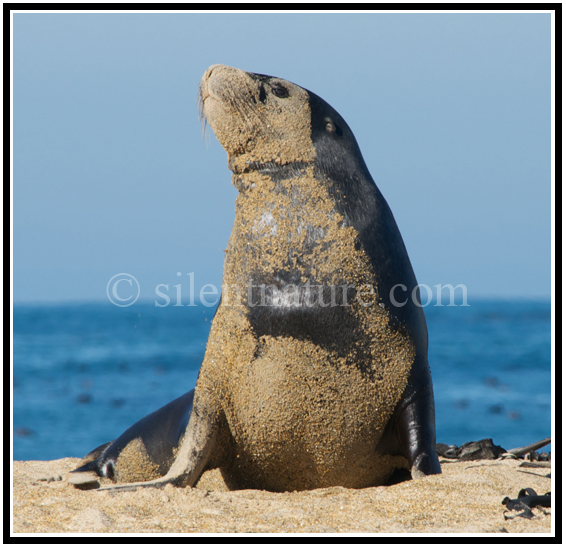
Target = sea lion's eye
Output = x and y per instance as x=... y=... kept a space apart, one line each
x=279 y=91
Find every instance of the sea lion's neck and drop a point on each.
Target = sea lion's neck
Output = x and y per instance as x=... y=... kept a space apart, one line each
x=247 y=176
x=239 y=165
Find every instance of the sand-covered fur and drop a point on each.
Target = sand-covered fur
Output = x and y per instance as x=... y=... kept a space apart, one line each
x=311 y=377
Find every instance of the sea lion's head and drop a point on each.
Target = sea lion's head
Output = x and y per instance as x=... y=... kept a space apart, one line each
x=267 y=121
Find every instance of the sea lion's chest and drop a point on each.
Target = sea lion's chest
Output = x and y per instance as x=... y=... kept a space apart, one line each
x=289 y=231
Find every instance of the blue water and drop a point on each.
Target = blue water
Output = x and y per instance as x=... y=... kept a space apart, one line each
x=83 y=373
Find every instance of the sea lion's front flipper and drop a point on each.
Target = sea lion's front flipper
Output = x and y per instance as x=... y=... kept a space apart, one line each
x=414 y=424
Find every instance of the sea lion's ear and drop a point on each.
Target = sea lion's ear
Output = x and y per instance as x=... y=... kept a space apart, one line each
x=332 y=127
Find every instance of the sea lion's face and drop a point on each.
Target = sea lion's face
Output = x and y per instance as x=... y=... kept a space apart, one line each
x=258 y=119
x=264 y=122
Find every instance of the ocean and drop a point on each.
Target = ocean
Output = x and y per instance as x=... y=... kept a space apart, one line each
x=83 y=373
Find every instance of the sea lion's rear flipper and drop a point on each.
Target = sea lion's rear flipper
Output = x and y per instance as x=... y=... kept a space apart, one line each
x=88 y=472
x=144 y=451
x=414 y=424
x=196 y=452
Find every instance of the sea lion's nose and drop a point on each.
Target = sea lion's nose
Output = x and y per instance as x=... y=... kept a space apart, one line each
x=210 y=69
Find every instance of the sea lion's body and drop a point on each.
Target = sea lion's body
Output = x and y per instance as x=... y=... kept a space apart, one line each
x=311 y=377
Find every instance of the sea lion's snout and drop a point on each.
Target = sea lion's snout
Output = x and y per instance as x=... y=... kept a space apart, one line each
x=209 y=83
x=258 y=119
x=204 y=93
x=209 y=70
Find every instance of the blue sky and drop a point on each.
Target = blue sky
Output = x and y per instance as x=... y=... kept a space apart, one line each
x=112 y=174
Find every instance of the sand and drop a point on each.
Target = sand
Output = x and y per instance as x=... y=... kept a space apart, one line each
x=466 y=498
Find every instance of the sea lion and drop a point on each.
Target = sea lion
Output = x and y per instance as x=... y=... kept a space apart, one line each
x=312 y=377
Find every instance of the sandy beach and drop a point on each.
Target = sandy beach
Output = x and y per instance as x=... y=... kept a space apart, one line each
x=466 y=498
